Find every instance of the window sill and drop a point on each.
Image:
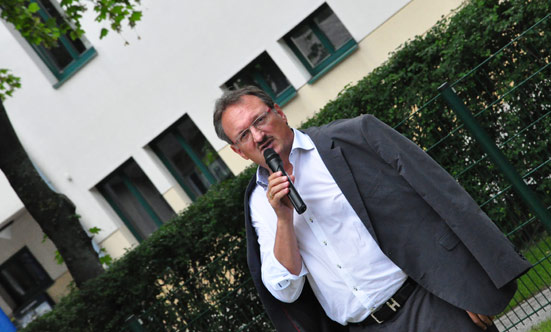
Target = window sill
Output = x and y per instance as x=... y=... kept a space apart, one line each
x=286 y=96
x=333 y=64
x=75 y=66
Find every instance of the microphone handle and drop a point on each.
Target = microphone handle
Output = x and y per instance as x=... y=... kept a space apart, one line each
x=293 y=195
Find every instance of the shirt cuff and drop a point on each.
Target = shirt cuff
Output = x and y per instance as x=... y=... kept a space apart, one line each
x=278 y=277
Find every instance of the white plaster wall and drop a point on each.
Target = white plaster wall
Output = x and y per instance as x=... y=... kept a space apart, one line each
x=10 y=204
x=127 y=95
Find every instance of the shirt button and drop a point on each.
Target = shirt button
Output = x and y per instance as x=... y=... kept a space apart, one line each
x=311 y=220
x=356 y=289
x=325 y=242
x=340 y=267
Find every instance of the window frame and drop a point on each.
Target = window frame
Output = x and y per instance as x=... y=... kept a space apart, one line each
x=335 y=55
x=37 y=290
x=282 y=98
x=136 y=194
x=79 y=59
x=186 y=146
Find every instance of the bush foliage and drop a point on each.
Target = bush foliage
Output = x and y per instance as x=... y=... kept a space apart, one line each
x=192 y=274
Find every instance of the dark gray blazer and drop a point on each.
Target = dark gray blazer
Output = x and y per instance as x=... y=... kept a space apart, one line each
x=421 y=218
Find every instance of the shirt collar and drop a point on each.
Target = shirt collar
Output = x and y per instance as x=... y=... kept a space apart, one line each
x=301 y=141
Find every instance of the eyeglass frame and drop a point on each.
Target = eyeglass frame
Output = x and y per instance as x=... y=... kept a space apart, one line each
x=255 y=124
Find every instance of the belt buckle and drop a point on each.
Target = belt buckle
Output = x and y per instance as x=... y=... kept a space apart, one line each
x=392 y=305
x=375 y=318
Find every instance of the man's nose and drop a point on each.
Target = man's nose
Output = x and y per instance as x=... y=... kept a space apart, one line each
x=258 y=134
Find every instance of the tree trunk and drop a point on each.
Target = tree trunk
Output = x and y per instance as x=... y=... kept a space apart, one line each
x=54 y=212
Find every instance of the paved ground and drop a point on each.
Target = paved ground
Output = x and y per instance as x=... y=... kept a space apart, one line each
x=538 y=301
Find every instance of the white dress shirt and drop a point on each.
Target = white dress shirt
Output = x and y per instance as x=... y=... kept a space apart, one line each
x=347 y=270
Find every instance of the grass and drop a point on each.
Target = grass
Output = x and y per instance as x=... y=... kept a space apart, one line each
x=542 y=327
x=539 y=277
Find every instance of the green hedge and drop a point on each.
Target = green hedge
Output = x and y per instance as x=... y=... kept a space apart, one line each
x=191 y=274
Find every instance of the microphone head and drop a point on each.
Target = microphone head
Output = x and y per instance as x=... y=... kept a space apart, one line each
x=272 y=159
x=269 y=153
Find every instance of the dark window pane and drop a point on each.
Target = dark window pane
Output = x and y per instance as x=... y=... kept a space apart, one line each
x=190 y=157
x=241 y=80
x=332 y=27
x=148 y=191
x=67 y=50
x=271 y=74
x=188 y=172
x=191 y=135
x=137 y=200
x=263 y=73
x=132 y=211
x=23 y=278
x=54 y=13
x=59 y=56
x=309 y=45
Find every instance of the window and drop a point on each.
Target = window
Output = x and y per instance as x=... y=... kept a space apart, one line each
x=69 y=55
x=136 y=200
x=190 y=157
x=265 y=74
x=320 y=41
x=23 y=279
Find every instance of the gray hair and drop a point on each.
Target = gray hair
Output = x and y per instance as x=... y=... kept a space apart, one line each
x=233 y=97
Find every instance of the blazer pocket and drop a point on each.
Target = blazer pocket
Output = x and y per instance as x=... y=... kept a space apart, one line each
x=449 y=240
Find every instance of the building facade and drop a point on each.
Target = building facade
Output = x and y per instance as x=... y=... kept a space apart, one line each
x=123 y=125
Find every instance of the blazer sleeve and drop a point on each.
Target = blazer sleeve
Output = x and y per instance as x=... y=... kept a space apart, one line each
x=442 y=192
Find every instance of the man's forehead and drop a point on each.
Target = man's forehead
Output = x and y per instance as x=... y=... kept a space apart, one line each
x=238 y=116
x=246 y=107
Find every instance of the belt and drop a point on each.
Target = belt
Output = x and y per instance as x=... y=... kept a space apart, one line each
x=391 y=306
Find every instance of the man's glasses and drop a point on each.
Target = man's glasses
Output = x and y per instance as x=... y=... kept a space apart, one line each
x=259 y=123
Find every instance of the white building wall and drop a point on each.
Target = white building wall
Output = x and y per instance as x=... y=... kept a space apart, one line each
x=115 y=105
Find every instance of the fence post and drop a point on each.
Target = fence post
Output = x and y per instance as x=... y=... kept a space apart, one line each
x=457 y=105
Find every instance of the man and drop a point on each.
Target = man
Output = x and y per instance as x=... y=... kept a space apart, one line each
x=389 y=240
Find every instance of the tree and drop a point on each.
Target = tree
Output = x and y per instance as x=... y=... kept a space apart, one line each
x=54 y=212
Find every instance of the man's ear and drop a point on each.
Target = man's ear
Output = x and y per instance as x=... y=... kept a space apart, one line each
x=238 y=151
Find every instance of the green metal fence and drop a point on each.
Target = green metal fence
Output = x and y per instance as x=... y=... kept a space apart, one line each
x=512 y=108
x=512 y=103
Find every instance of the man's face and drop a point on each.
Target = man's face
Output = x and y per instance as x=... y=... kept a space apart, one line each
x=273 y=133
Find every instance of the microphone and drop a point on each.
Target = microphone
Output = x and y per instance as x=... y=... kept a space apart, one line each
x=274 y=162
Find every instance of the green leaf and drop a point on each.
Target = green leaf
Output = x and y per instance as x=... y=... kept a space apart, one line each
x=94 y=230
x=103 y=33
x=135 y=17
x=59 y=260
x=33 y=7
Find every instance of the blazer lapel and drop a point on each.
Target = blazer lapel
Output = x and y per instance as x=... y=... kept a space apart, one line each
x=337 y=165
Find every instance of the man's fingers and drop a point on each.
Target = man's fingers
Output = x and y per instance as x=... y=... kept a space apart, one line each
x=476 y=320
x=481 y=321
x=487 y=320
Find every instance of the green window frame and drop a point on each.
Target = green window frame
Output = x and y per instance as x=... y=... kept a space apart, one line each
x=320 y=42
x=189 y=157
x=264 y=73
x=69 y=56
x=23 y=278
x=135 y=200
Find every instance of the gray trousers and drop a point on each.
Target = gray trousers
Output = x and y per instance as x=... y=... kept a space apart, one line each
x=424 y=312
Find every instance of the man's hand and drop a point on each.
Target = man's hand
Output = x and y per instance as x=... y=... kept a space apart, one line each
x=481 y=321
x=278 y=188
